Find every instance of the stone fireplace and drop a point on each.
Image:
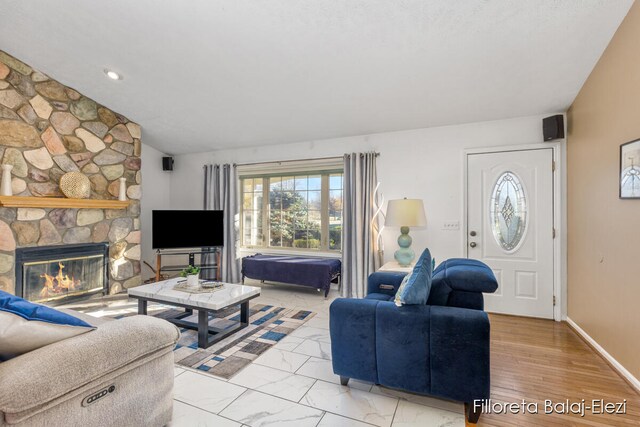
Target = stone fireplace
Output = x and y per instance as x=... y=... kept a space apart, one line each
x=46 y=130
x=58 y=273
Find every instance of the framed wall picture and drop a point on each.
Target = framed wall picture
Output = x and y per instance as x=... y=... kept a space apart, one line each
x=630 y=170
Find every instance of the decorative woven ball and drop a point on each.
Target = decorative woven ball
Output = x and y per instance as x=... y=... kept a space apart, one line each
x=75 y=185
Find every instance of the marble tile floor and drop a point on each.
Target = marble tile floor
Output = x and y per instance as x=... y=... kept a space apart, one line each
x=293 y=384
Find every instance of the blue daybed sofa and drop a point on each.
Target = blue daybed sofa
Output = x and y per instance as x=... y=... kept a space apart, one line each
x=439 y=349
x=314 y=272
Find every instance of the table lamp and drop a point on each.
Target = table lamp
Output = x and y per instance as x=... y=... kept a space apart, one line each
x=405 y=213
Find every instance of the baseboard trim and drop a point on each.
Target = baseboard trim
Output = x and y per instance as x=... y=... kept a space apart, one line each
x=621 y=370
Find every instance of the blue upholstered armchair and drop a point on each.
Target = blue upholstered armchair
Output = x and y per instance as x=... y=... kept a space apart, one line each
x=439 y=349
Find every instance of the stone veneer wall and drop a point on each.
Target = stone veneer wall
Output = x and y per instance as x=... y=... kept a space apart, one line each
x=46 y=130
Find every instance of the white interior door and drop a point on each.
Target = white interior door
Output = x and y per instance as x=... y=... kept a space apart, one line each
x=510 y=227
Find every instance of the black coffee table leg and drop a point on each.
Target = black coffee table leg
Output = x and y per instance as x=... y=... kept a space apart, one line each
x=244 y=313
x=203 y=328
x=142 y=306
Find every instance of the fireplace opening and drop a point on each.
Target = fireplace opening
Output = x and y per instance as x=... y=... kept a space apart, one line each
x=58 y=273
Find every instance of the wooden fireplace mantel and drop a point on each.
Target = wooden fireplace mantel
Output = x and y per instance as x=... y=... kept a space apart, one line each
x=60 y=202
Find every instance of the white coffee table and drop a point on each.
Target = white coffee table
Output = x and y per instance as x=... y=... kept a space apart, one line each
x=204 y=304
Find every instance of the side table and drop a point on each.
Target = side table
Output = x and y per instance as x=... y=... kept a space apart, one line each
x=395 y=267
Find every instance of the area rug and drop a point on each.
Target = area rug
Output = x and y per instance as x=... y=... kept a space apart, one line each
x=267 y=326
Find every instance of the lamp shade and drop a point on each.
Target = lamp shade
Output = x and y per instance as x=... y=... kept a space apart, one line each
x=406 y=212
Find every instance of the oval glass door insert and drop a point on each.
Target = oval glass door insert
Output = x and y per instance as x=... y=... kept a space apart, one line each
x=508 y=211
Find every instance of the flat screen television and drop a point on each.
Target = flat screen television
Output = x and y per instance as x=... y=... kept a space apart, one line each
x=186 y=229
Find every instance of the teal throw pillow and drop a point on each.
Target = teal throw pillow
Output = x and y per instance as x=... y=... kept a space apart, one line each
x=415 y=287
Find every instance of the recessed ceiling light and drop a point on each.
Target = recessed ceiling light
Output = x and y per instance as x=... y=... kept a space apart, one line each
x=112 y=74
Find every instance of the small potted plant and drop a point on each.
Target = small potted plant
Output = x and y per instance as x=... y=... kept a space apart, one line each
x=192 y=274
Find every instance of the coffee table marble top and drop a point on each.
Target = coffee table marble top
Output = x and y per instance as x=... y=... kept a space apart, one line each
x=163 y=291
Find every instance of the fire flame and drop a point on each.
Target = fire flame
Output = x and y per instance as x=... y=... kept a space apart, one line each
x=55 y=285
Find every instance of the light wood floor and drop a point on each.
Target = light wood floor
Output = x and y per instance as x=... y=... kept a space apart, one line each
x=537 y=359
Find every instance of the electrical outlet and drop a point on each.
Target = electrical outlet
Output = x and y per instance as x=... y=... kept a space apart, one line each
x=451 y=225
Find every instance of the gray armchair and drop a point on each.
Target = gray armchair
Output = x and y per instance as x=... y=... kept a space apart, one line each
x=119 y=374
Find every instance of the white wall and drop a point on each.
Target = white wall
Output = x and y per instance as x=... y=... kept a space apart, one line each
x=156 y=191
x=422 y=163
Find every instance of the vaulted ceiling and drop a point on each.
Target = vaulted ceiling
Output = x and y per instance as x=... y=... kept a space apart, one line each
x=202 y=74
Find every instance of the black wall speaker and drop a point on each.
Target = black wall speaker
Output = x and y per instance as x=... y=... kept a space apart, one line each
x=167 y=163
x=553 y=127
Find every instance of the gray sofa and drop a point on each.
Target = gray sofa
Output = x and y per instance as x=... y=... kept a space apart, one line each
x=127 y=362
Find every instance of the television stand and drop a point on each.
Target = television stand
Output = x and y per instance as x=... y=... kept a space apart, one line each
x=191 y=261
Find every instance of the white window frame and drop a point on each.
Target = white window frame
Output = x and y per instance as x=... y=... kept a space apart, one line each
x=323 y=167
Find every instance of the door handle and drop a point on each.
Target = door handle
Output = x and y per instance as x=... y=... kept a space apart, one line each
x=473 y=244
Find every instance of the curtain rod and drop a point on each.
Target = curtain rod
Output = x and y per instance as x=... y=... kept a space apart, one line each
x=293 y=160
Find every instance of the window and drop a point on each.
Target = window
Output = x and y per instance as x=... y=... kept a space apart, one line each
x=252 y=211
x=293 y=210
x=508 y=211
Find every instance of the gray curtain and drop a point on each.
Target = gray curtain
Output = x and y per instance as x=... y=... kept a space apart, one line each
x=221 y=193
x=359 y=233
